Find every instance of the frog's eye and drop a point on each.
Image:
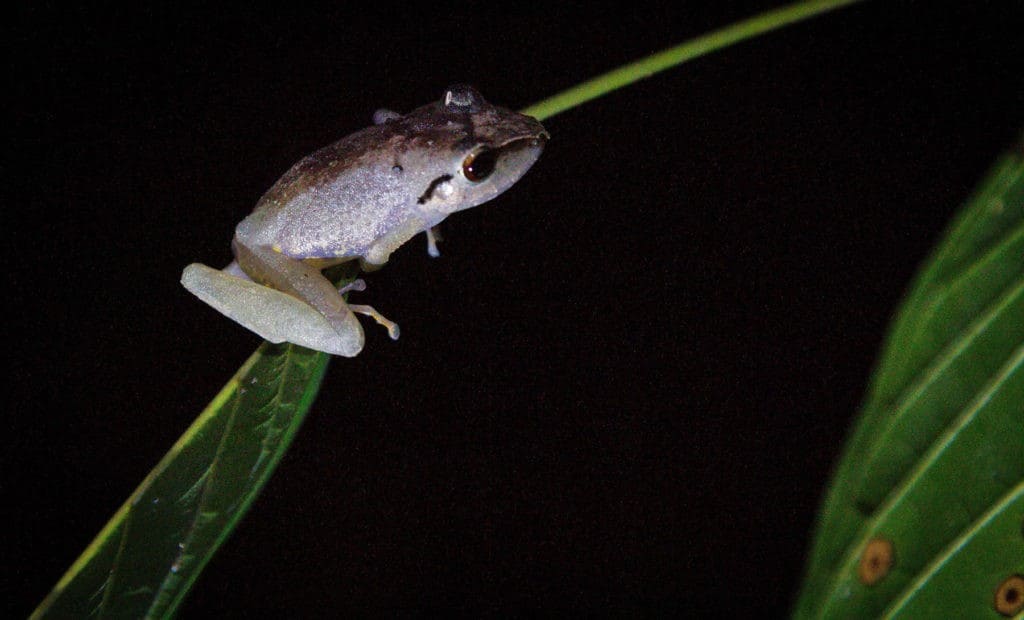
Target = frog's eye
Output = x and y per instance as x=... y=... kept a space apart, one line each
x=462 y=98
x=479 y=166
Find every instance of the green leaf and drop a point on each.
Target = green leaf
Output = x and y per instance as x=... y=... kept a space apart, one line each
x=153 y=549
x=934 y=470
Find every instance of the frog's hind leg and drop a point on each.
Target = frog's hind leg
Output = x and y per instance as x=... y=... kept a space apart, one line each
x=307 y=283
x=271 y=314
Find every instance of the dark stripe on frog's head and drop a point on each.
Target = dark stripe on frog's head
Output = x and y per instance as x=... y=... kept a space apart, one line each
x=433 y=185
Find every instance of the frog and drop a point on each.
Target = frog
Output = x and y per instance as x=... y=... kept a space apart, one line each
x=361 y=198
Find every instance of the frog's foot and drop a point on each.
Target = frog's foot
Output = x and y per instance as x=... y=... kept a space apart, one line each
x=360 y=285
x=369 y=311
x=355 y=285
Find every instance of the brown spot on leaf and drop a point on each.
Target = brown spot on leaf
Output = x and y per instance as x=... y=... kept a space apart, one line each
x=875 y=561
x=1010 y=596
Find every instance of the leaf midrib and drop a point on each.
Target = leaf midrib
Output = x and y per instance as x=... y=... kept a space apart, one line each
x=287 y=366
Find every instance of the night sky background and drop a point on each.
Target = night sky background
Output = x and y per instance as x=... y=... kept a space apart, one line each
x=624 y=383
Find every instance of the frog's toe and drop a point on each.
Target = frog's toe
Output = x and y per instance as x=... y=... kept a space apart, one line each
x=370 y=311
x=355 y=285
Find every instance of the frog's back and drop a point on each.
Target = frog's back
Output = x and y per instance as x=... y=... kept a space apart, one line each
x=376 y=188
x=334 y=202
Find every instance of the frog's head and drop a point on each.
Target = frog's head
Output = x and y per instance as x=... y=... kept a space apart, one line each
x=477 y=150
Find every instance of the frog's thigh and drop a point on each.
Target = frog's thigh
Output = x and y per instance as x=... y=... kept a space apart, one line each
x=276 y=316
x=297 y=278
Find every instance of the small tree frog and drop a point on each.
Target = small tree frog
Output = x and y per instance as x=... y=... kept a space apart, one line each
x=361 y=198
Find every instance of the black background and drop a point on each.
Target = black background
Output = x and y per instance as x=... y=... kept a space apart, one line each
x=624 y=383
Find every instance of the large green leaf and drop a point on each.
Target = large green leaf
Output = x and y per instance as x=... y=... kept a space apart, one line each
x=148 y=555
x=933 y=474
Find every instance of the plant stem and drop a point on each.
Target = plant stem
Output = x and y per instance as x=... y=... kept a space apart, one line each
x=713 y=41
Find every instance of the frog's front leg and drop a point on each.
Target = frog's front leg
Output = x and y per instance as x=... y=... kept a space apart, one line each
x=433 y=236
x=378 y=253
